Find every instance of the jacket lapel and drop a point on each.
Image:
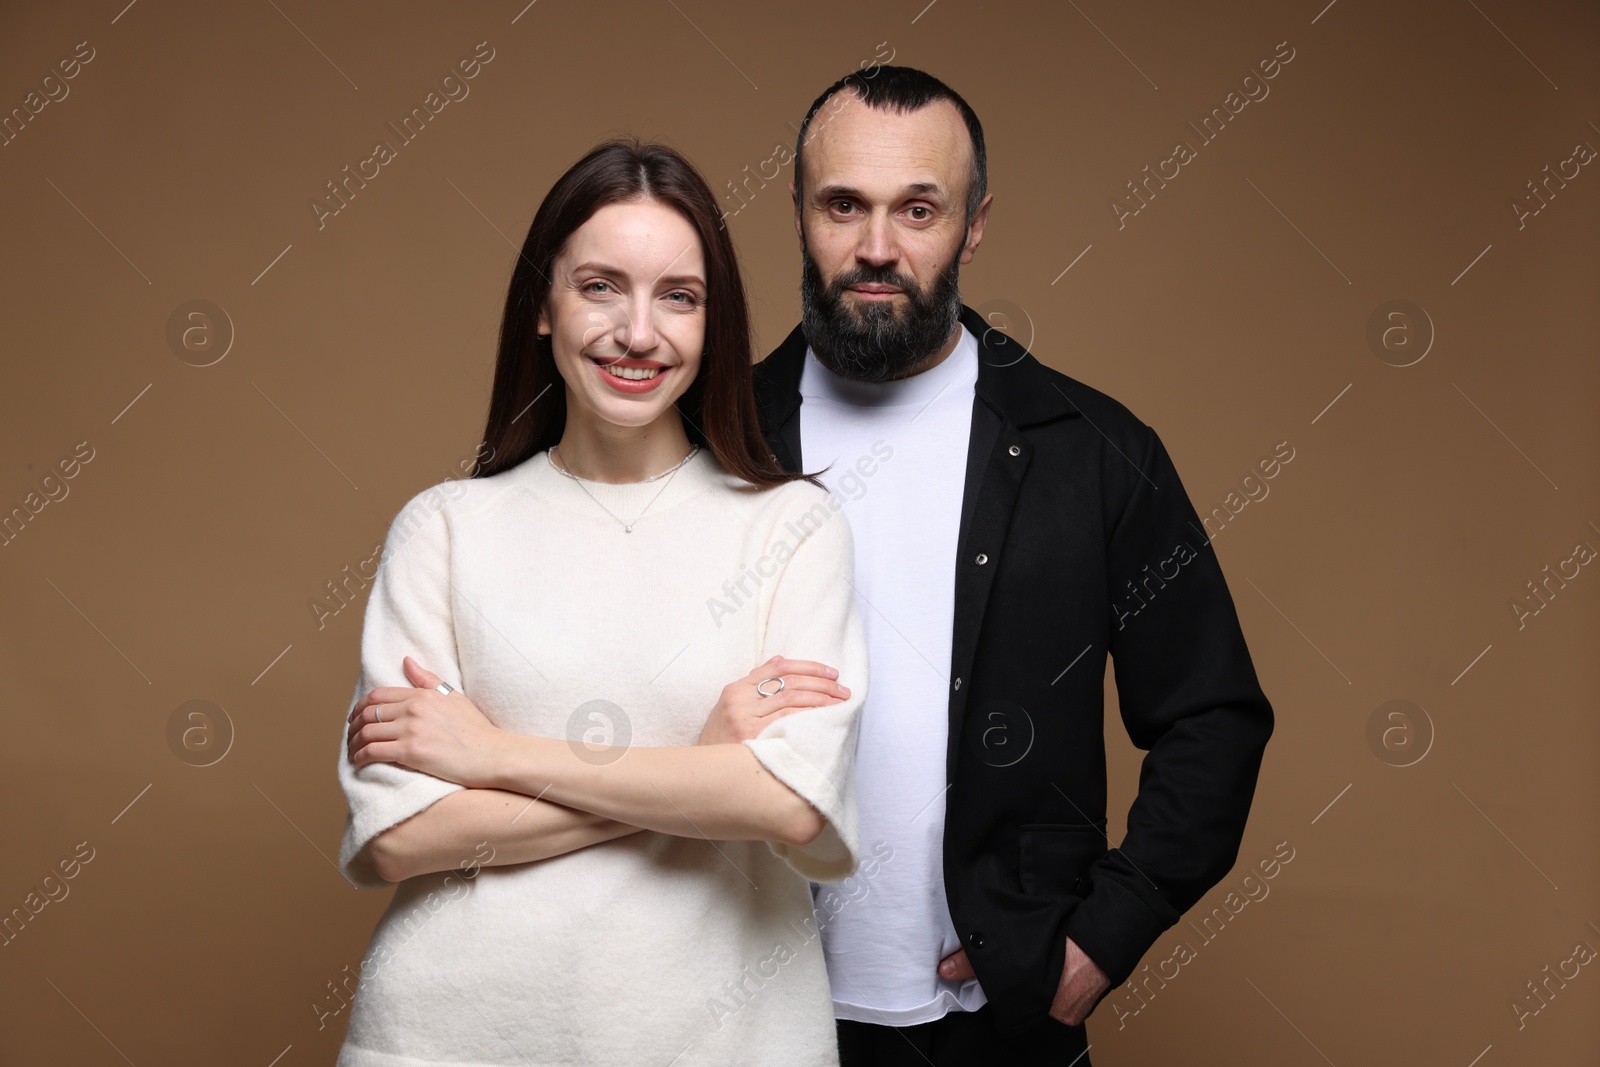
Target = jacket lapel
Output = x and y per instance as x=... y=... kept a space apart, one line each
x=1014 y=392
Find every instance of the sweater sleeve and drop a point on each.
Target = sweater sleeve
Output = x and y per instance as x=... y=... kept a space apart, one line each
x=408 y=614
x=812 y=615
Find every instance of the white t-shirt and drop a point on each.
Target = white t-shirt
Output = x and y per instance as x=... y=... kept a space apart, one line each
x=899 y=455
x=522 y=591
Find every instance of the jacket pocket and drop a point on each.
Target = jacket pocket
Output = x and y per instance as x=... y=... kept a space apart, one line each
x=1053 y=858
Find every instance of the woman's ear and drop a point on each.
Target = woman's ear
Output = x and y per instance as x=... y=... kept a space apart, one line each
x=542 y=326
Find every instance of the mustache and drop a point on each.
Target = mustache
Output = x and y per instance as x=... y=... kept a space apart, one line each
x=867 y=274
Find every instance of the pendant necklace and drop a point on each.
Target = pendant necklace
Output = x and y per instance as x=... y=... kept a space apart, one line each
x=626 y=526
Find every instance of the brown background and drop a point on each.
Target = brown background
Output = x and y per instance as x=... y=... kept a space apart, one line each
x=1229 y=314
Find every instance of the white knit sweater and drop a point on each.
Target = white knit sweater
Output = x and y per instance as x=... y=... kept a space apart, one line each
x=650 y=949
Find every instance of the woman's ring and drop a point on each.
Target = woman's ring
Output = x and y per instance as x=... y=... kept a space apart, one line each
x=764 y=681
x=446 y=688
x=377 y=712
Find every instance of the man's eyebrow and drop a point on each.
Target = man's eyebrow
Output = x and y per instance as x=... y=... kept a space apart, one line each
x=827 y=192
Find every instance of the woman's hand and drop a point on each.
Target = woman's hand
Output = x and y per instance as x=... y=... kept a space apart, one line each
x=425 y=730
x=742 y=713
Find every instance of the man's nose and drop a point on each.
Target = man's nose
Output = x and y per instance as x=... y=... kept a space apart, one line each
x=877 y=245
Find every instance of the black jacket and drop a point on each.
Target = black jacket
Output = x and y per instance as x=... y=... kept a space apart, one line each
x=1076 y=540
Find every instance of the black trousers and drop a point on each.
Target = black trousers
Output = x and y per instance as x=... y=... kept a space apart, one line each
x=961 y=1039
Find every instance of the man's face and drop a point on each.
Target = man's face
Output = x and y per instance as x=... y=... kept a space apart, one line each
x=883 y=230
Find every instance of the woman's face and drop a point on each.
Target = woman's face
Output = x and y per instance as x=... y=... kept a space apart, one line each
x=626 y=311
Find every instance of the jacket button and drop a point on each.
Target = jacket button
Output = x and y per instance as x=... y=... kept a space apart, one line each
x=975 y=939
x=1014 y=450
x=958 y=683
x=982 y=559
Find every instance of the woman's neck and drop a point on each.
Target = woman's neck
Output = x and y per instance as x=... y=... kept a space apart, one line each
x=606 y=452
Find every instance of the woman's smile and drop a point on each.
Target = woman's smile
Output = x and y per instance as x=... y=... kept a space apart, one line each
x=631 y=375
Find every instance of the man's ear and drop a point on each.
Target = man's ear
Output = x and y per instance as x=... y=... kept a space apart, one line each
x=795 y=197
x=980 y=219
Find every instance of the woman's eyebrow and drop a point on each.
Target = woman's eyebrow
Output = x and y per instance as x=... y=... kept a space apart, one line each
x=598 y=267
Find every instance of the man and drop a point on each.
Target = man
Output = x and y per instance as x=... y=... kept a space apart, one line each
x=1013 y=527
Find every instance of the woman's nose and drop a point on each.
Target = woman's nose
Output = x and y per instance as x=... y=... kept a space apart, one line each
x=636 y=330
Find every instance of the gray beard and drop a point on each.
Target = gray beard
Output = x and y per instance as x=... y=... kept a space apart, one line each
x=876 y=344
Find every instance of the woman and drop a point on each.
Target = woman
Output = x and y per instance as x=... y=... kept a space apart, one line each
x=602 y=848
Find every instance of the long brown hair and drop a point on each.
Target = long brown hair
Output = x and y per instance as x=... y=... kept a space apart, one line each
x=528 y=408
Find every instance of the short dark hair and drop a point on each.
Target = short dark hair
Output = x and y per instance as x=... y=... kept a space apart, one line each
x=718 y=408
x=902 y=89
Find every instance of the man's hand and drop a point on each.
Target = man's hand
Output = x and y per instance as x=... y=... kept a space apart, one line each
x=956 y=967
x=1082 y=982
x=742 y=713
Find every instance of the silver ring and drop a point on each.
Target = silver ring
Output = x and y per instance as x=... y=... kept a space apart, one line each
x=446 y=688
x=377 y=711
x=775 y=692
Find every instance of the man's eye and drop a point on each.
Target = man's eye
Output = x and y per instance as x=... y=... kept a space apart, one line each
x=924 y=215
x=843 y=207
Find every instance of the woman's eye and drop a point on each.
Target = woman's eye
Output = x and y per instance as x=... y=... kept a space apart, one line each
x=590 y=288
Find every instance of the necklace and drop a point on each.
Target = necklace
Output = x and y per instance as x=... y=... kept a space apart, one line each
x=627 y=527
